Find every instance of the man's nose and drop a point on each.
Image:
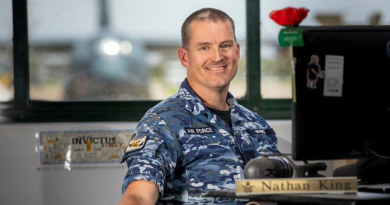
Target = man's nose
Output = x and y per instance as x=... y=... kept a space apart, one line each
x=217 y=55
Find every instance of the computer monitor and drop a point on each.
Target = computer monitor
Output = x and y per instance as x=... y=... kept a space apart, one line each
x=341 y=103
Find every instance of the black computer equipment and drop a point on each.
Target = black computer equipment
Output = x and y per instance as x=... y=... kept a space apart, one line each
x=342 y=111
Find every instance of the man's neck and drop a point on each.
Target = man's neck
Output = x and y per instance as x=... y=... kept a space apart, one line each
x=213 y=98
x=216 y=102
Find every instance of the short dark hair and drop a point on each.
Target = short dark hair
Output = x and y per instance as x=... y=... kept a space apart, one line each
x=204 y=14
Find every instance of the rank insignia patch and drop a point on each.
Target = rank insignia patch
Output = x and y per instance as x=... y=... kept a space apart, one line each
x=255 y=132
x=136 y=144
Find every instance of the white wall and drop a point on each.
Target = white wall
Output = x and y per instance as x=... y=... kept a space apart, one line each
x=22 y=183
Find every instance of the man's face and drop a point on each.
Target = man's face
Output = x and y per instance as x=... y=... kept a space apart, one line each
x=212 y=55
x=315 y=59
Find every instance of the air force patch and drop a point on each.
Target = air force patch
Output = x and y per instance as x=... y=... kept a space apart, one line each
x=200 y=130
x=136 y=143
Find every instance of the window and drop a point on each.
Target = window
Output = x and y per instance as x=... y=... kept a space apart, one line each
x=6 y=67
x=276 y=61
x=114 y=50
x=88 y=63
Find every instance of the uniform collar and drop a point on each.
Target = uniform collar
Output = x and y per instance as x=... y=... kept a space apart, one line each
x=194 y=104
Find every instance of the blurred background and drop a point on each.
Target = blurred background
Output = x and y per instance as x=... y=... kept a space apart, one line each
x=122 y=50
x=126 y=50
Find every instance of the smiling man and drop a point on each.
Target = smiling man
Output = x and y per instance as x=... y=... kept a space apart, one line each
x=211 y=58
x=199 y=139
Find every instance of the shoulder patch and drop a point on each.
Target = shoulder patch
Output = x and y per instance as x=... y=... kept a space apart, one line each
x=136 y=144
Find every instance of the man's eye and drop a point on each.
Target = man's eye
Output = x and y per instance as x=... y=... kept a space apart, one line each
x=203 y=48
x=225 y=45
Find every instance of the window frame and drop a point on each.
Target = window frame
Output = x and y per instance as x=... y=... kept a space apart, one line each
x=23 y=109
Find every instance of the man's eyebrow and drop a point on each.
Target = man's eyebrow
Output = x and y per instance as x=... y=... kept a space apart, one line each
x=203 y=43
x=208 y=43
x=227 y=41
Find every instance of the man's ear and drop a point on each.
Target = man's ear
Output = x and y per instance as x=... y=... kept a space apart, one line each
x=238 y=51
x=183 y=56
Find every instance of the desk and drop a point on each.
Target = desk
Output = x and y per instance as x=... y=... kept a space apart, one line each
x=360 y=198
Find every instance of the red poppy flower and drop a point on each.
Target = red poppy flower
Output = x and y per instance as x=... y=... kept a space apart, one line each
x=289 y=16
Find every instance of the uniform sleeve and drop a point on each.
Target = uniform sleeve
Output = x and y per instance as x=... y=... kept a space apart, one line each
x=273 y=141
x=157 y=159
x=268 y=140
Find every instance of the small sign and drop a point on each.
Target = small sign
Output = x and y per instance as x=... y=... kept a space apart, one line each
x=334 y=75
x=82 y=147
x=291 y=36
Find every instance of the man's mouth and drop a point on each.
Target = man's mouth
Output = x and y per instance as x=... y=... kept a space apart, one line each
x=216 y=68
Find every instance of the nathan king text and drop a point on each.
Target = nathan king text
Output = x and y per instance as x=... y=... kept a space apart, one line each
x=322 y=185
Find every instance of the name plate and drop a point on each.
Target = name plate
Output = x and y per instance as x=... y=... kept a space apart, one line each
x=296 y=185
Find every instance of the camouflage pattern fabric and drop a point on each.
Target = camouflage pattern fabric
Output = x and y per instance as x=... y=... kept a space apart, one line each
x=190 y=150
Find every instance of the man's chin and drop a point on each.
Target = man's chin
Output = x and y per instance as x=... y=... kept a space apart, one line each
x=220 y=85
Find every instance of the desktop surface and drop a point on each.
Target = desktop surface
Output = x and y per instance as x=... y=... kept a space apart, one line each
x=376 y=188
x=359 y=198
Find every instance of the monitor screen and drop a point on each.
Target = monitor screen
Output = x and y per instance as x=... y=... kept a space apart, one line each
x=341 y=103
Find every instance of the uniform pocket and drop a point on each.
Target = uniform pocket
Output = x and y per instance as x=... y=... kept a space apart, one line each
x=201 y=146
x=263 y=140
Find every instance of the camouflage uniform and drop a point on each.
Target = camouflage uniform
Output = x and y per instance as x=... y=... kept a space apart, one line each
x=189 y=150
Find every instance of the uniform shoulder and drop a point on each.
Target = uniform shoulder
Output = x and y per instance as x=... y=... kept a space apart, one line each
x=172 y=104
x=249 y=114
